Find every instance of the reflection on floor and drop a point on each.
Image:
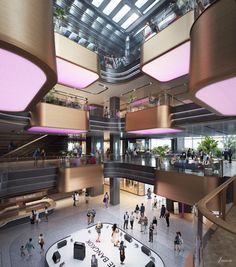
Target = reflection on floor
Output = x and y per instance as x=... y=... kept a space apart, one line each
x=67 y=219
x=106 y=253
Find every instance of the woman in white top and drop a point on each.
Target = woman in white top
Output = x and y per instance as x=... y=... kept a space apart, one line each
x=41 y=242
x=115 y=235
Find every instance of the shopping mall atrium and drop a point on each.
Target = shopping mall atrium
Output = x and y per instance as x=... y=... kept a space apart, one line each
x=117 y=133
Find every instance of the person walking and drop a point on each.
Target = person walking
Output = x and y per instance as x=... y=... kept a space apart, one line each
x=32 y=217
x=167 y=216
x=73 y=197
x=106 y=199
x=142 y=210
x=145 y=224
x=151 y=229
x=22 y=251
x=178 y=242
x=37 y=220
x=41 y=242
x=76 y=199
x=98 y=228
x=46 y=213
x=154 y=206
x=126 y=220
x=29 y=246
x=154 y=223
x=131 y=220
x=122 y=252
x=163 y=211
x=137 y=211
x=115 y=235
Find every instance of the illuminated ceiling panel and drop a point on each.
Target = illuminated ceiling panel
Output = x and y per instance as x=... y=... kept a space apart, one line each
x=120 y=14
x=111 y=6
x=130 y=20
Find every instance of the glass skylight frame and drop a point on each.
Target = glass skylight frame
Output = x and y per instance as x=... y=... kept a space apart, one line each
x=97 y=3
x=140 y=3
x=121 y=13
x=129 y=21
x=151 y=6
x=111 y=6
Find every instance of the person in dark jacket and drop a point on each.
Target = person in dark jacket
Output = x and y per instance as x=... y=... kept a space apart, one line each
x=167 y=216
x=142 y=210
x=163 y=211
x=122 y=252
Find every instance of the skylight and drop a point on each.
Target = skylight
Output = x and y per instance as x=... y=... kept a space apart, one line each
x=151 y=6
x=100 y=20
x=111 y=6
x=119 y=15
x=140 y=3
x=129 y=21
x=97 y=3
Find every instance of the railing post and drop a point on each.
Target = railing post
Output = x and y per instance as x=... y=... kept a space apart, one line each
x=223 y=203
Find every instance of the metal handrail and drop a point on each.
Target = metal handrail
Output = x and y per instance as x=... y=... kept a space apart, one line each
x=201 y=205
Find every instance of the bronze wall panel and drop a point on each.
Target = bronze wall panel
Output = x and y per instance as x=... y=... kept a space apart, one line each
x=157 y=117
x=72 y=179
x=186 y=188
x=49 y=115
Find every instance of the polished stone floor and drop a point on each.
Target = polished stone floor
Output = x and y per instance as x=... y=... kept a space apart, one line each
x=67 y=219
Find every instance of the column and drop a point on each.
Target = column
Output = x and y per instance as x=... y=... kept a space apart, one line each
x=114 y=106
x=174 y=145
x=114 y=191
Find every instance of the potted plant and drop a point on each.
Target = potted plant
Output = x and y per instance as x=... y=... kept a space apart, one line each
x=160 y=152
x=59 y=16
x=208 y=145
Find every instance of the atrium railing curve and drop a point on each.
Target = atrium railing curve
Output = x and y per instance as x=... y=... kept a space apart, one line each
x=202 y=207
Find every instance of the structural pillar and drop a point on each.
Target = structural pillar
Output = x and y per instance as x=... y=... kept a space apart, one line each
x=114 y=191
x=114 y=106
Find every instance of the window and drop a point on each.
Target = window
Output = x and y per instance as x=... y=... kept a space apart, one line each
x=97 y=3
x=120 y=14
x=130 y=20
x=140 y=3
x=111 y=6
x=151 y=6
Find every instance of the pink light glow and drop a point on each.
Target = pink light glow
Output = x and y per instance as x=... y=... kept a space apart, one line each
x=54 y=130
x=157 y=131
x=20 y=81
x=171 y=65
x=220 y=96
x=74 y=76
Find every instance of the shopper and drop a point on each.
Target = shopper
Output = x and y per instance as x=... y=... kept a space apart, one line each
x=178 y=242
x=115 y=235
x=167 y=216
x=151 y=229
x=106 y=199
x=41 y=242
x=163 y=211
x=126 y=220
x=22 y=251
x=154 y=206
x=141 y=222
x=154 y=223
x=122 y=252
x=145 y=224
x=46 y=213
x=73 y=197
x=76 y=199
x=98 y=228
x=131 y=220
x=142 y=210
x=32 y=217
x=137 y=211
x=37 y=220
x=149 y=193
x=29 y=246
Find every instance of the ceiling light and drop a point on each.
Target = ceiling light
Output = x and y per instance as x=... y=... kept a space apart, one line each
x=54 y=130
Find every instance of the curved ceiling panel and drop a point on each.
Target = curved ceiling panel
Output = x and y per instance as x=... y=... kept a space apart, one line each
x=213 y=58
x=166 y=55
x=27 y=53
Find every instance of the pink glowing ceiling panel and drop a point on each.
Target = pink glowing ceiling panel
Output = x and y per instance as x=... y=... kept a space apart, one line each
x=220 y=96
x=20 y=81
x=54 y=130
x=171 y=65
x=73 y=75
x=157 y=131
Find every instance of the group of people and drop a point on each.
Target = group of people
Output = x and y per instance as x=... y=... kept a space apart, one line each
x=39 y=154
x=35 y=216
x=29 y=246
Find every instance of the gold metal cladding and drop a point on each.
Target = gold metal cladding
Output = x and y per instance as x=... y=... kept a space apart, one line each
x=213 y=47
x=151 y=118
x=71 y=179
x=186 y=188
x=26 y=29
x=76 y=54
x=48 y=115
x=174 y=35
